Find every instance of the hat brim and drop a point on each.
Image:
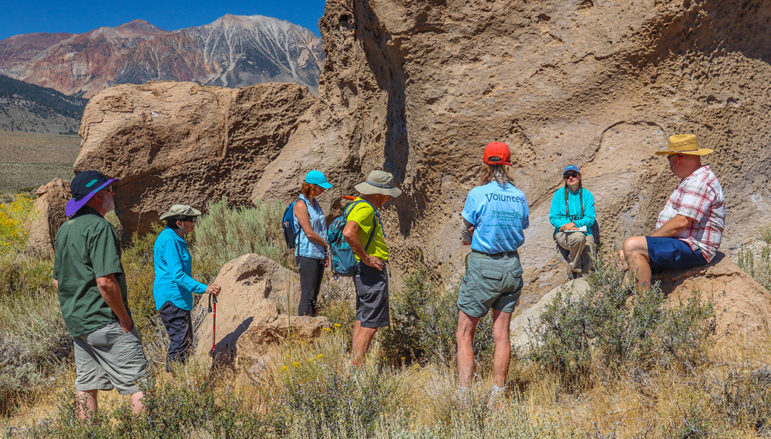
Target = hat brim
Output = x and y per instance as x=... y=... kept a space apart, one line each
x=700 y=151
x=368 y=189
x=73 y=206
x=166 y=215
x=325 y=185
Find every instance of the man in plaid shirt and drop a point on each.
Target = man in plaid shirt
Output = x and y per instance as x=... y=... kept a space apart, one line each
x=689 y=229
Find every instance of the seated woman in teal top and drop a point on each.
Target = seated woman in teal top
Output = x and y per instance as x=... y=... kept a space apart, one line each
x=572 y=215
x=174 y=285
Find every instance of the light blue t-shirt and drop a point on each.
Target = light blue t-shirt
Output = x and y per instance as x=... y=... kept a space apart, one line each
x=173 y=272
x=499 y=216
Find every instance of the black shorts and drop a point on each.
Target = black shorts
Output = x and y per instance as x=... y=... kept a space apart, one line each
x=371 y=296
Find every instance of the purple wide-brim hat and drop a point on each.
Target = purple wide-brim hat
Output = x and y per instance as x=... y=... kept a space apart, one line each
x=73 y=206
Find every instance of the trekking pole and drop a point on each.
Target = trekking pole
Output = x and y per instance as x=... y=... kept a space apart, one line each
x=213 y=310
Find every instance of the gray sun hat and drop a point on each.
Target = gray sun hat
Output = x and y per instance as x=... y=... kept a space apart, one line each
x=180 y=210
x=379 y=182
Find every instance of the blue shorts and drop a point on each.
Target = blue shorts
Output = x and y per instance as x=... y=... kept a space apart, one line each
x=671 y=253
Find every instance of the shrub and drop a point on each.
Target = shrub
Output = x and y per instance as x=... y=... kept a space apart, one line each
x=424 y=320
x=226 y=233
x=744 y=399
x=765 y=233
x=14 y=223
x=33 y=338
x=612 y=327
x=759 y=267
x=191 y=406
x=319 y=401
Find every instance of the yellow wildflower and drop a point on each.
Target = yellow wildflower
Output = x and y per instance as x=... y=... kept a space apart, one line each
x=296 y=364
x=284 y=368
x=337 y=325
x=320 y=356
x=327 y=329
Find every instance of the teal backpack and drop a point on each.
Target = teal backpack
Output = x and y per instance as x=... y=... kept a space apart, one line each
x=342 y=259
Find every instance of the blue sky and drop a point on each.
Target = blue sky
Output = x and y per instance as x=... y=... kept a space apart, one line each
x=77 y=16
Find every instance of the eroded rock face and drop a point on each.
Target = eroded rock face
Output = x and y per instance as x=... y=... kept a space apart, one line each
x=179 y=142
x=420 y=87
x=742 y=306
x=49 y=216
x=252 y=313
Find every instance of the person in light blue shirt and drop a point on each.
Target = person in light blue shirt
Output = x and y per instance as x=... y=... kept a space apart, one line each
x=310 y=249
x=494 y=218
x=174 y=285
x=572 y=215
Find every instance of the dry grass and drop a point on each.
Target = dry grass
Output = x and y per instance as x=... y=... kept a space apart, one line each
x=310 y=389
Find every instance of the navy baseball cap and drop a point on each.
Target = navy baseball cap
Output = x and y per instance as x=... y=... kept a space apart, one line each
x=317 y=178
x=83 y=187
x=569 y=168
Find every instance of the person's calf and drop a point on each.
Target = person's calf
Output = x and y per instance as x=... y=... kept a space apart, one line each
x=137 y=406
x=86 y=404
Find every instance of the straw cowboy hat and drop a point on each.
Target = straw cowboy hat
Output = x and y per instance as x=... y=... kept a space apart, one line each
x=379 y=182
x=684 y=144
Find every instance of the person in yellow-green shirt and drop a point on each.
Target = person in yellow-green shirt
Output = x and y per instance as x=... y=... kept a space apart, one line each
x=371 y=251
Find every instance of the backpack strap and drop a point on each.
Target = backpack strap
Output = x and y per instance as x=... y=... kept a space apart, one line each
x=374 y=226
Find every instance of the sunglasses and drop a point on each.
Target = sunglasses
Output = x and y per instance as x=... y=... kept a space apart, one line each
x=570 y=175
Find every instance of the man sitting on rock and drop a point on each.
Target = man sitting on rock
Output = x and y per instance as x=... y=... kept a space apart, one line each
x=689 y=229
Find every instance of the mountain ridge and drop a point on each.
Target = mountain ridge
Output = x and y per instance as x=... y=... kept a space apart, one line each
x=28 y=107
x=232 y=51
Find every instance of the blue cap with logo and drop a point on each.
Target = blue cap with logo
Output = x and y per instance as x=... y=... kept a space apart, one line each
x=317 y=178
x=569 y=168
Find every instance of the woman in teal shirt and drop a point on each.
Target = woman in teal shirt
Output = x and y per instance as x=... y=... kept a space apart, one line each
x=572 y=215
x=174 y=285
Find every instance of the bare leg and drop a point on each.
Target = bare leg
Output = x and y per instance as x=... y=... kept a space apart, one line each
x=86 y=404
x=136 y=403
x=465 y=338
x=362 y=337
x=502 y=355
x=636 y=254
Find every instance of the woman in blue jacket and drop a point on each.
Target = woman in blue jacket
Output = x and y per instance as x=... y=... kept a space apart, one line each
x=572 y=215
x=174 y=285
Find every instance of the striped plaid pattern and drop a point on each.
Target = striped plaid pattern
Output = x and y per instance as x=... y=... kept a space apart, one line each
x=699 y=197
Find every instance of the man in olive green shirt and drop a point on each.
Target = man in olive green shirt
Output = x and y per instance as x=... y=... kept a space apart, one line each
x=92 y=293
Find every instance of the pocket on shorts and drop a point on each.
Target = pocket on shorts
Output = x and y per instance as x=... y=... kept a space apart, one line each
x=105 y=336
x=491 y=279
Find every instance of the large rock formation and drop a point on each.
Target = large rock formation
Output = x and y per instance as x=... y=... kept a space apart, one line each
x=233 y=51
x=48 y=217
x=179 y=142
x=420 y=87
x=252 y=315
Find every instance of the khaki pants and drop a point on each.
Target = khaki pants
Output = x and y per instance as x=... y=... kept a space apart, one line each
x=580 y=248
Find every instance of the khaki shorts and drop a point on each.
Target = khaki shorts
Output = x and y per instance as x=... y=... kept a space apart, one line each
x=110 y=358
x=491 y=281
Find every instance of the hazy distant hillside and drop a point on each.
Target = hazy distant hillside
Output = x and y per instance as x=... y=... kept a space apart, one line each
x=28 y=107
x=233 y=51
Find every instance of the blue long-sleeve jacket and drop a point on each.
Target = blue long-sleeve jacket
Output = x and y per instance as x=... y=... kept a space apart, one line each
x=557 y=215
x=173 y=272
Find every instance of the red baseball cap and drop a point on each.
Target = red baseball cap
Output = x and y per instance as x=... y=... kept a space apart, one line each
x=497 y=153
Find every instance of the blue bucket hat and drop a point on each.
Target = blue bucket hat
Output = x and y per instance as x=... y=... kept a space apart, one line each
x=569 y=168
x=317 y=178
x=83 y=187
